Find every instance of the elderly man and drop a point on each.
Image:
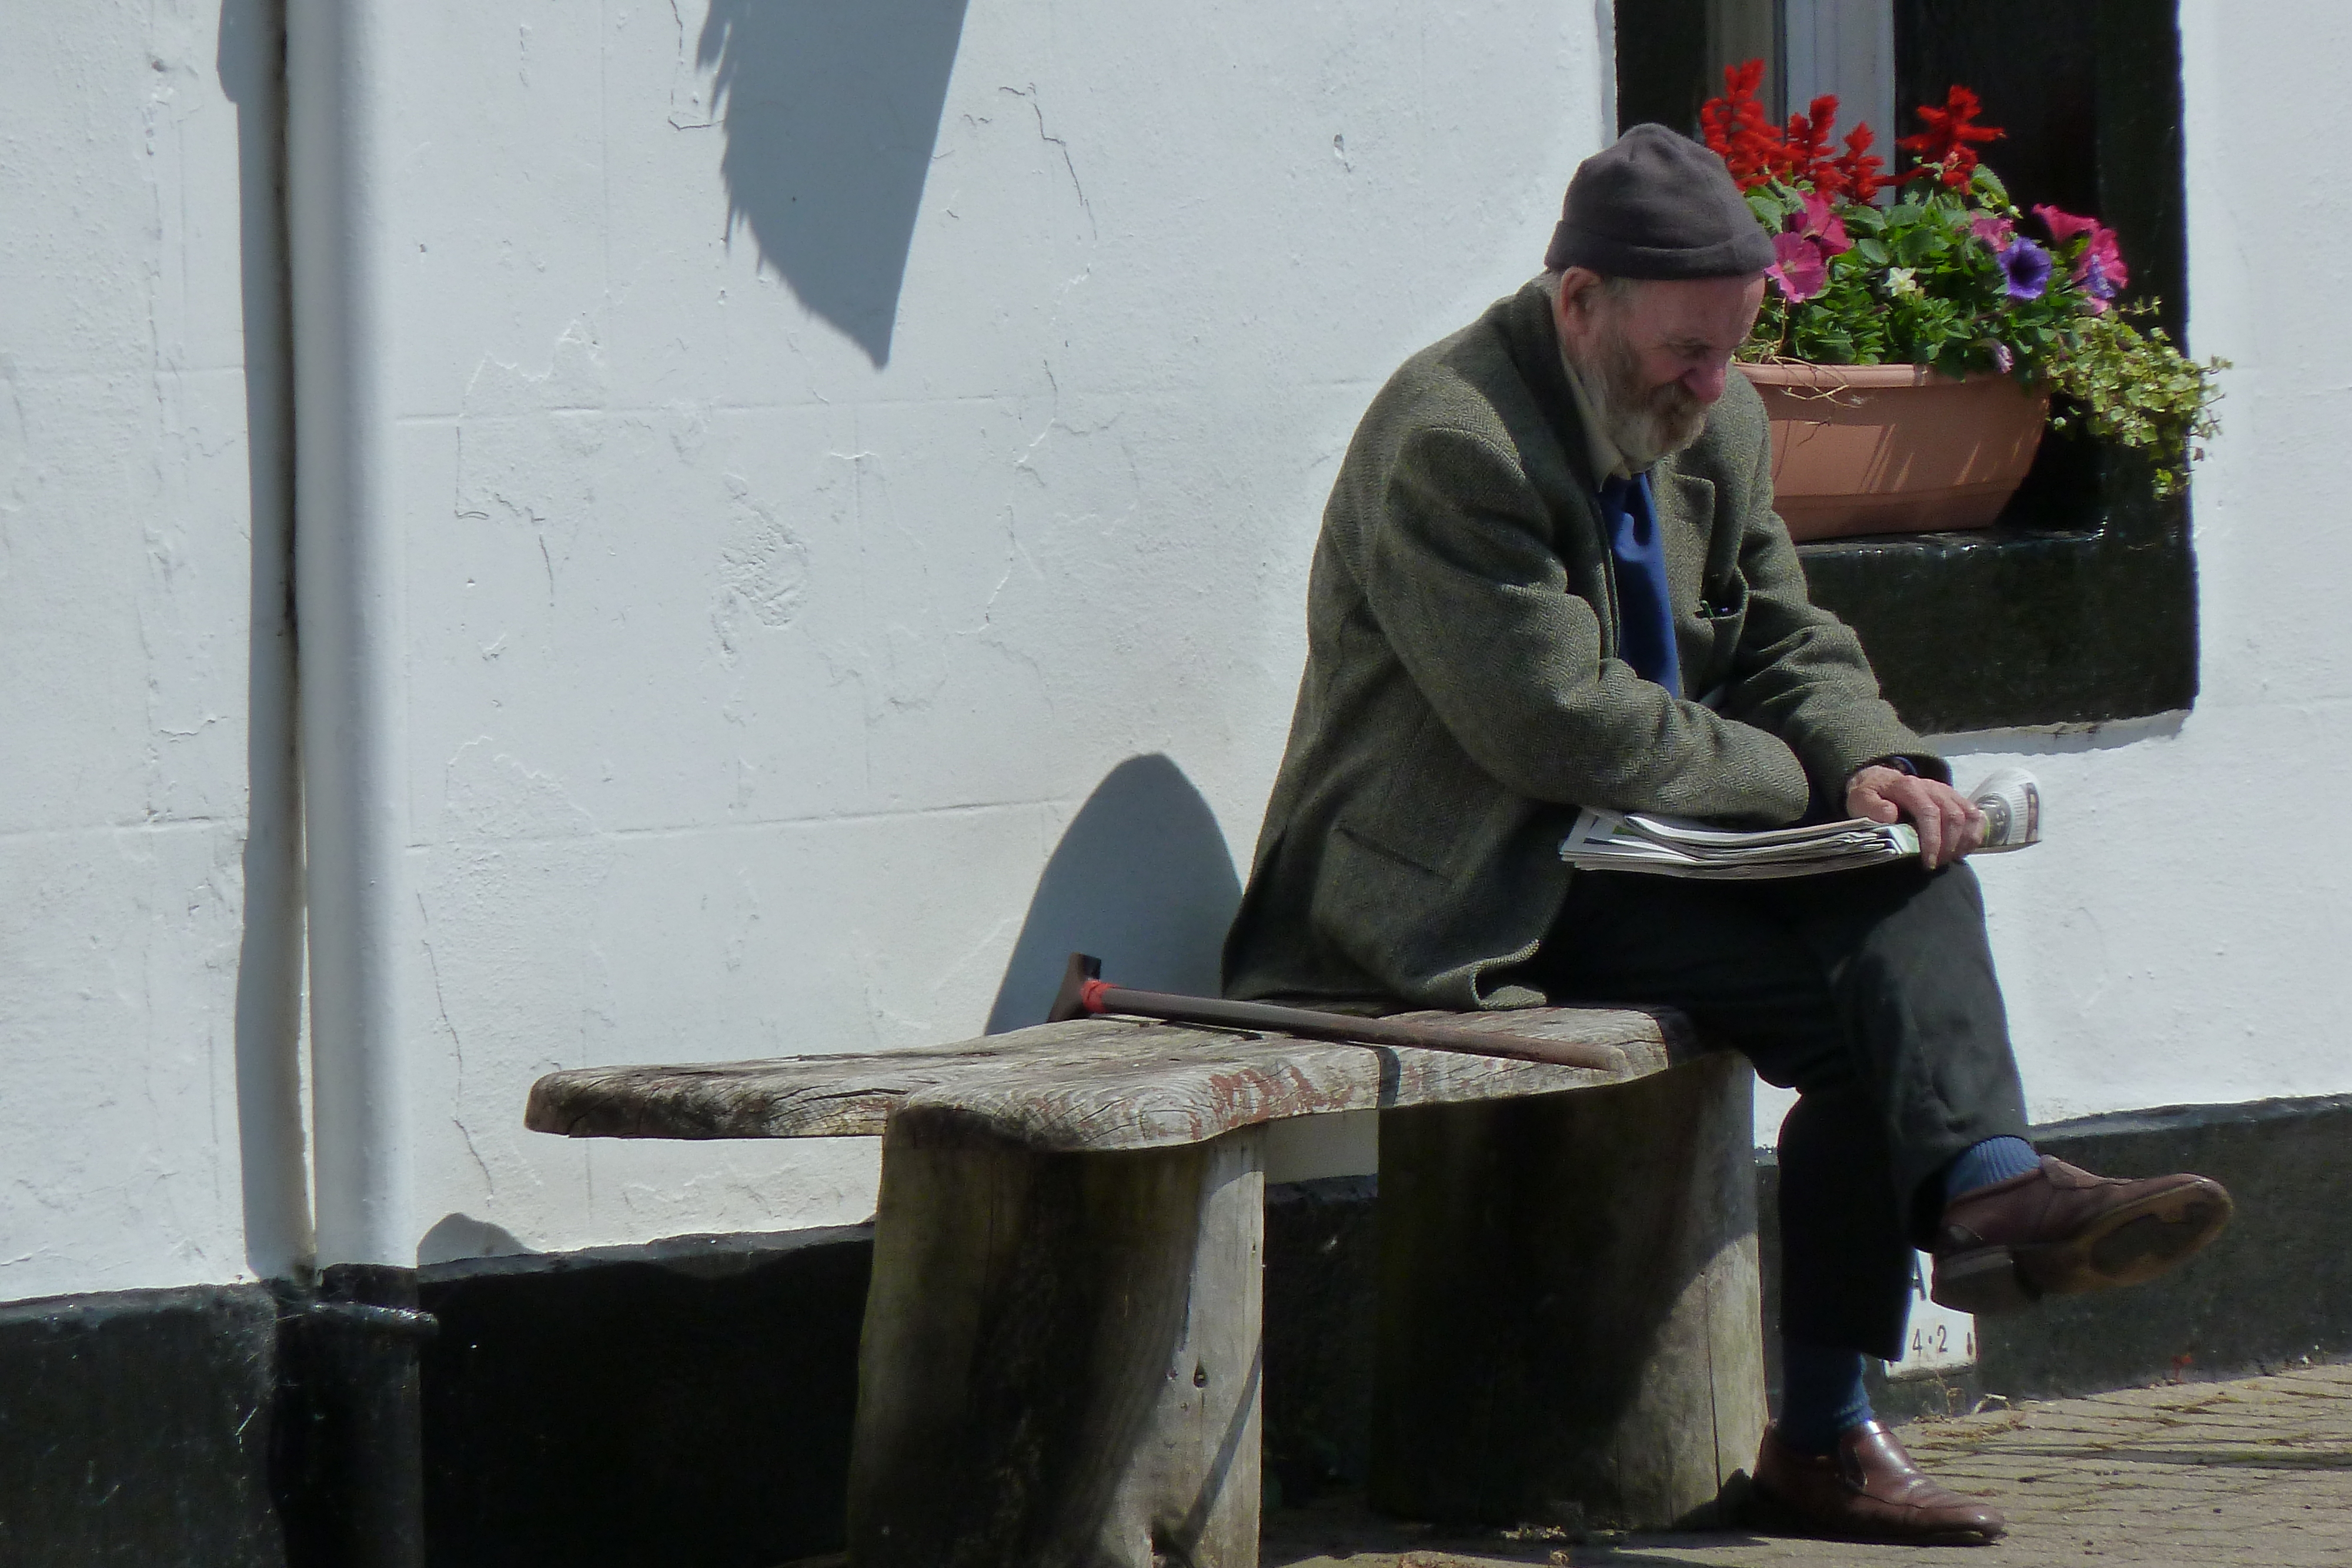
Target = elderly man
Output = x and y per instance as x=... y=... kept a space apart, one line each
x=1549 y=576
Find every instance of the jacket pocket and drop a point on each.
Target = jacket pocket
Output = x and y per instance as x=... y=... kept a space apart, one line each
x=1722 y=618
x=1394 y=859
x=1378 y=908
x=1429 y=815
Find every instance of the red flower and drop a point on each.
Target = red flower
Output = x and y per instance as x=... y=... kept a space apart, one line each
x=1806 y=147
x=1802 y=152
x=1948 y=148
x=1858 y=169
x=1738 y=130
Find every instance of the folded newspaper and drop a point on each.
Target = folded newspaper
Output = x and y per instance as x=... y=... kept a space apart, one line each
x=1673 y=846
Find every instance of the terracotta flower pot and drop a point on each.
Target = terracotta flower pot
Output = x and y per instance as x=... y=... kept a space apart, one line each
x=1883 y=449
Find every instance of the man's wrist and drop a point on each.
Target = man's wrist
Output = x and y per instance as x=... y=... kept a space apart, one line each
x=1911 y=764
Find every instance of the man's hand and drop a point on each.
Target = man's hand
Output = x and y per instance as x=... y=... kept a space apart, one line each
x=1948 y=826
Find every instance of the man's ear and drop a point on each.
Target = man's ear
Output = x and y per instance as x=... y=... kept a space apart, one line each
x=1572 y=307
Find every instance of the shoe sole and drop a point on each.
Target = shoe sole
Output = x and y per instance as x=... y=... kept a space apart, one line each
x=1769 y=1513
x=2127 y=1246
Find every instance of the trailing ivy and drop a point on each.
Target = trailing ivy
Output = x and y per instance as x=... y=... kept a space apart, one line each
x=2132 y=387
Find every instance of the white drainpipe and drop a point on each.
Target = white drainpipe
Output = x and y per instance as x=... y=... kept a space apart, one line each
x=348 y=601
x=363 y=1434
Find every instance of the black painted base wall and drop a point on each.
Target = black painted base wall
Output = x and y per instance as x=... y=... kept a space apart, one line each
x=135 y=1429
x=691 y=1402
x=1319 y=1257
x=2275 y=1290
x=687 y=1402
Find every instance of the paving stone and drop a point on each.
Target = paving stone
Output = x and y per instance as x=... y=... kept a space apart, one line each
x=2255 y=1473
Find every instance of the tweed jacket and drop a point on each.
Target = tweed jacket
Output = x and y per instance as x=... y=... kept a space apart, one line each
x=1463 y=695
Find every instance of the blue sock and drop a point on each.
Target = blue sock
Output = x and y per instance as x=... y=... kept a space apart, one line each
x=1995 y=1159
x=1822 y=1396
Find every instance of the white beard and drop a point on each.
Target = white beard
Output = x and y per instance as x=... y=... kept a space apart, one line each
x=1644 y=425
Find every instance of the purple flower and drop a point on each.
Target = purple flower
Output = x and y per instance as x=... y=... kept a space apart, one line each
x=2102 y=255
x=2028 y=267
x=2002 y=359
x=2095 y=280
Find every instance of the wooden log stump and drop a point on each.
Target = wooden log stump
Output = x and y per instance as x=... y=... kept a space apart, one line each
x=1061 y=1356
x=1568 y=1329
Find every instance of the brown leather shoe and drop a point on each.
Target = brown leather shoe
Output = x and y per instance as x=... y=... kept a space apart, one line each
x=2059 y=1231
x=1868 y=1488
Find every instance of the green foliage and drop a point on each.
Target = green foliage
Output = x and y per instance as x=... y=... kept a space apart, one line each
x=1922 y=282
x=2132 y=387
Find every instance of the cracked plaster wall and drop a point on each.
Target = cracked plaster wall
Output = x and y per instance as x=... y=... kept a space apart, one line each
x=124 y=581
x=753 y=675
x=763 y=649
x=829 y=651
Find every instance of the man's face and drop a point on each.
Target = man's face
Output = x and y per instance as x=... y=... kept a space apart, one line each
x=1659 y=351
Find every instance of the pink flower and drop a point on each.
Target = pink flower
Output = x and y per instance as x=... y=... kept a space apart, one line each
x=1800 y=270
x=1995 y=232
x=1820 y=221
x=2064 y=227
x=2098 y=270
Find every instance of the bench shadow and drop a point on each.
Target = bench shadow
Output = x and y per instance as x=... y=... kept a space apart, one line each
x=1142 y=879
x=831 y=113
x=2245 y=1459
x=1339 y=1528
x=457 y=1236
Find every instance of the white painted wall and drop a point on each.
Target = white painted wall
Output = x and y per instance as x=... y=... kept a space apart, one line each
x=761 y=665
x=126 y=528
x=2169 y=946
x=769 y=626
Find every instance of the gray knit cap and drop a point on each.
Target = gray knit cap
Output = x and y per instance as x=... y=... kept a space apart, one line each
x=1656 y=205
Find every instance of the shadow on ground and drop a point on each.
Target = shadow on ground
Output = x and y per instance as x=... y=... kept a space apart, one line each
x=1337 y=1532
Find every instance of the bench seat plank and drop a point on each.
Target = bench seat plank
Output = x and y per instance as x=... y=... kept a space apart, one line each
x=1095 y=1083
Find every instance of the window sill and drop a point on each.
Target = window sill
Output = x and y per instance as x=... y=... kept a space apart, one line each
x=2078 y=606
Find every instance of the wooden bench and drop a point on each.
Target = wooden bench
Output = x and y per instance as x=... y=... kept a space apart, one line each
x=1061 y=1357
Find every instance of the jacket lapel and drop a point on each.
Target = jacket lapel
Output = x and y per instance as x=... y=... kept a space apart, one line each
x=1569 y=487
x=1685 y=506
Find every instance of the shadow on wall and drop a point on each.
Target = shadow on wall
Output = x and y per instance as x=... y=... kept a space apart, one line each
x=831 y=113
x=274 y=1178
x=1141 y=880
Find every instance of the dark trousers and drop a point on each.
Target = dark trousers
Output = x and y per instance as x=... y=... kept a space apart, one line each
x=1870 y=993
